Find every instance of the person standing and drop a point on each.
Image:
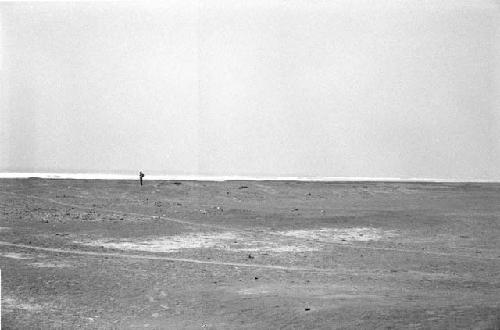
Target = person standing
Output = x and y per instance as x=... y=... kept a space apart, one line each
x=141 y=175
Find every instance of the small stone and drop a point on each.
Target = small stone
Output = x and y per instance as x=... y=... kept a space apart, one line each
x=250 y=256
x=307 y=309
x=256 y=278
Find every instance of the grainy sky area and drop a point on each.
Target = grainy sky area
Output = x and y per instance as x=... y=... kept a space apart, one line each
x=384 y=88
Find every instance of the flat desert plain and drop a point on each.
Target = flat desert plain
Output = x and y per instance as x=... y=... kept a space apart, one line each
x=100 y=254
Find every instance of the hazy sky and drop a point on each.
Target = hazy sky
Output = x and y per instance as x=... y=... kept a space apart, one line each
x=380 y=88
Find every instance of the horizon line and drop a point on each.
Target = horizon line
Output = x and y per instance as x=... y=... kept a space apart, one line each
x=102 y=176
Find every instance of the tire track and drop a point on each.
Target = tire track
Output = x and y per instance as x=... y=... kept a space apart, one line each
x=155 y=257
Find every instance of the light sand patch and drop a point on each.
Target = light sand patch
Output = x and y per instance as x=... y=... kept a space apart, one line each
x=4 y=229
x=10 y=303
x=239 y=242
x=169 y=243
x=271 y=246
x=50 y=264
x=437 y=276
x=15 y=255
x=229 y=241
x=363 y=234
x=317 y=291
x=254 y=291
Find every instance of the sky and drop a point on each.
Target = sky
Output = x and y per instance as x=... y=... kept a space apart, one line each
x=387 y=88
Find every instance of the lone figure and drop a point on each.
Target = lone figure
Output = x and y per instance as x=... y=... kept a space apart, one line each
x=141 y=175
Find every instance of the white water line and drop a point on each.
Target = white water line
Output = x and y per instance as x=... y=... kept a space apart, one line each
x=104 y=176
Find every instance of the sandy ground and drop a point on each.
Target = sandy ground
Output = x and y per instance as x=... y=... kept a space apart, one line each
x=249 y=255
